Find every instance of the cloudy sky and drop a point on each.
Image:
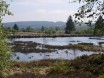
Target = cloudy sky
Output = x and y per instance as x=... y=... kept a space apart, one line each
x=41 y=10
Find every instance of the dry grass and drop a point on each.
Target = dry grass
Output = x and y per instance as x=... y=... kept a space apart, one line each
x=83 y=67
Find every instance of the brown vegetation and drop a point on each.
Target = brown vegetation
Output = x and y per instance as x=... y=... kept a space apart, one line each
x=32 y=35
x=83 y=67
x=28 y=47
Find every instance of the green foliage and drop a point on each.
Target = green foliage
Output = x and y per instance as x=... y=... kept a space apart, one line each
x=50 y=30
x=99 y=26
x=69 y=26
x=4 y=48
x=90 y=9
x=57 y=28
x=61 y=67
x=4 y=9
x=88 y=31
x=29 y=29
x=93 y=64
x=4 y=51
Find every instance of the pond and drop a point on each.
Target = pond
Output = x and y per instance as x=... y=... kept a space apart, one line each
x=64 y=40
x=66 y=54
x=60 y=54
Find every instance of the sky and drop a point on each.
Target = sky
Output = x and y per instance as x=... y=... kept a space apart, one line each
x=40 y=10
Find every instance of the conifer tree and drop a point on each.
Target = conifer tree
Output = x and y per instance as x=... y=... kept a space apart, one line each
x=99 y=26
x=15 y=27
x=69 y=26
x=42 y=28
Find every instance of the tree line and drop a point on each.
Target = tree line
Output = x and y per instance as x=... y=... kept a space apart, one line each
x=98 y=28
x=42 y=29
x=95 y=29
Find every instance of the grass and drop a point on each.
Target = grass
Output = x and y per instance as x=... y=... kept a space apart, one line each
x=81 y=67
x=32 y=34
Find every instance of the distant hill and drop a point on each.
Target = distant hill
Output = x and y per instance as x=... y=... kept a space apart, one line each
x=39 y=24
x=34 y=24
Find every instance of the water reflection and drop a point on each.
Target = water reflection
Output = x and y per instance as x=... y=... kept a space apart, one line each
x=44 y=41
x=60 y=54
x=64 y=40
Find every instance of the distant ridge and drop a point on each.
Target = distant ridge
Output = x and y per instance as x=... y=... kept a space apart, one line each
x=34 y=24
x=39 y=24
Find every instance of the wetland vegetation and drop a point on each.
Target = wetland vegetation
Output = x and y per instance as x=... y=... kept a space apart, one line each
x=63 y=57
x=56 y=51
x=81 y=67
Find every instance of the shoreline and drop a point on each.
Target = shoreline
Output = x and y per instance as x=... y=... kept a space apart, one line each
x=28 y=47
x=58 y=68
x=53 y=36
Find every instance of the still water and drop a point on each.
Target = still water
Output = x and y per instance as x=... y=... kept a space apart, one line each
x=64 y=40
x=66 y=54
x=60 y=54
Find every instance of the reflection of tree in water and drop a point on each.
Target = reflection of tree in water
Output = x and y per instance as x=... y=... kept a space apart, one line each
x=101 y=44
x=66 y=52
x=11 y=39
x=53 y=39
x=74 y=52
x=46 y=56
x=45 y=41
